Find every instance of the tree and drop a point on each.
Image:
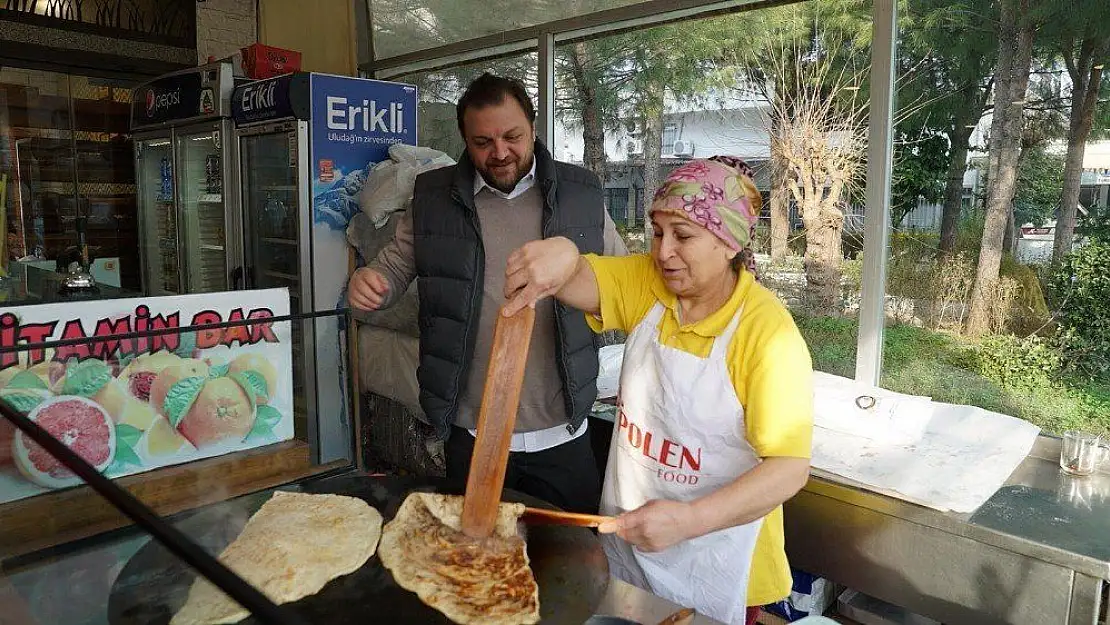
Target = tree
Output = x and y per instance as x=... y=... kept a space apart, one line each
x=1015 y=56
x=627 y=80
x=1085 y=48
x=946 y=55
x=590 y=109
x=821 y=136
x=920 y=165
x=1040 y=176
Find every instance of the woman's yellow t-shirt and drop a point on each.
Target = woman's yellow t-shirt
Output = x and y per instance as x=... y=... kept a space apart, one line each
x=770 y=368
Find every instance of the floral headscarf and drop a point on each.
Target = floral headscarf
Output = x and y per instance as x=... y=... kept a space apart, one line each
x=718 y=194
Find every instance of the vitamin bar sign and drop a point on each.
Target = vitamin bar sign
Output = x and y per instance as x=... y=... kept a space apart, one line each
x=131 y=404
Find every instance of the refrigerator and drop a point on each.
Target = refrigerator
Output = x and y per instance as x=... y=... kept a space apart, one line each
x=306 y=143
x=186 y=175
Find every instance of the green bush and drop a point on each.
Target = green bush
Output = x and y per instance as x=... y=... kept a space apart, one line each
x=1028 y=310
x=1018 y=363
x=1083 y=287
x=1018 y=377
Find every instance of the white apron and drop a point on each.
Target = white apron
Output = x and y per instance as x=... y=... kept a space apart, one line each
x=680 y=435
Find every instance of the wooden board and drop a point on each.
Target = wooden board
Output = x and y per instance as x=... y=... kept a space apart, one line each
x=496 y=419
x=57 y=518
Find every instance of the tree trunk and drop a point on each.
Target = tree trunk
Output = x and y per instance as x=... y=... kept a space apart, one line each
x=780 y=208
x=589 y=111
x=1084 y=99
x=653 y=146
x=1015 y=57
x=954 y=192
x=823 y=256
x=1010 y=238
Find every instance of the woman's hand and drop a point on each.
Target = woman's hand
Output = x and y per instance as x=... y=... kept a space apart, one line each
x=537 y=270
x=654 y=526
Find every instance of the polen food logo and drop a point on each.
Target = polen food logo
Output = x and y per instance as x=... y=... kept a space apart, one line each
x=156 y=102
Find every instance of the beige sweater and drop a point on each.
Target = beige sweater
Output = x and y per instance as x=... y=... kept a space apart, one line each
x=506 y=225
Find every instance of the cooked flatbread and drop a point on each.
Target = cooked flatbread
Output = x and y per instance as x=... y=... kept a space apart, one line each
x=294 y=545
x=487 y=581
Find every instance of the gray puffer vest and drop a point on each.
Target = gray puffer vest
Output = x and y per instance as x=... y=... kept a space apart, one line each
x=450 y=262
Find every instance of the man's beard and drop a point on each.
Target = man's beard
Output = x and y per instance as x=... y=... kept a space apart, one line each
x=508 y=183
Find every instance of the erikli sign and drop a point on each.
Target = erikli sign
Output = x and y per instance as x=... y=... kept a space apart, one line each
x=344 y=116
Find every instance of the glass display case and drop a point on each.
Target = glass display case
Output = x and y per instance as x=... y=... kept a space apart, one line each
x=270 y=201
x=186 y=163
x=157 y=203
x=203 y=211
x=299 y=185
x=109 y=396
x=272 y=229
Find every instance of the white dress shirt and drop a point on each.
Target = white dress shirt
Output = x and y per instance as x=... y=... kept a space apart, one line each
x=527 y=182
x=538 y=440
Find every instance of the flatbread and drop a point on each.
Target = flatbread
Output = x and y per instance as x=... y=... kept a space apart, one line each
x=488 y=581
x=294 y=545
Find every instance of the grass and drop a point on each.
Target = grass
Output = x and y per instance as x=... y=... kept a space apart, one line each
x=942 y=366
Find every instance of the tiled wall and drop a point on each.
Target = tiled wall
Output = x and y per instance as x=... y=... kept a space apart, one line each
x=225 y=26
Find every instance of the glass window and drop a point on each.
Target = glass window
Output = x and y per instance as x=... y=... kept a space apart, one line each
x=976 y=312
x=440 y=91
x=403 y=26
x=616 y=202
x=173 y=462
x=670 y=134
x=65 y=153
x=621 y=102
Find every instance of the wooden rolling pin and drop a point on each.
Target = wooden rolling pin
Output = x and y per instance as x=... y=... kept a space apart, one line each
x=496 y=419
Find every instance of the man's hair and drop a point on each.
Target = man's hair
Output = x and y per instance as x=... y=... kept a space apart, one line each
x=490 y=90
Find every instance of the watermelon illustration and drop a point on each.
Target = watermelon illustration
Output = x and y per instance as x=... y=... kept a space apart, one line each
x=79 y=423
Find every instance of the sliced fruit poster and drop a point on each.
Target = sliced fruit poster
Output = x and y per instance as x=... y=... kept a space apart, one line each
x=131 y=405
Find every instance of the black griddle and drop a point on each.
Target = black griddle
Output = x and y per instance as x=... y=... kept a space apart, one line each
x=568 y=563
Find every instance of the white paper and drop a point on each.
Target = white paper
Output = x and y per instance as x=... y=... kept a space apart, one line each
x=891 y=418
x=964 y=457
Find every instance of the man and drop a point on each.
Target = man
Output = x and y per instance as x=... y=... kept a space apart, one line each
x=505 y=191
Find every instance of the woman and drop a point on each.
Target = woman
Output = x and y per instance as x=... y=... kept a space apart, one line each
x=715 y=419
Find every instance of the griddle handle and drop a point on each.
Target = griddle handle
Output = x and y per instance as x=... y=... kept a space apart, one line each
x=171 y=538
x=496 y=419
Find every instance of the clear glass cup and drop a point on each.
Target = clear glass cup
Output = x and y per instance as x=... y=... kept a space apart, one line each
x=1081 y=453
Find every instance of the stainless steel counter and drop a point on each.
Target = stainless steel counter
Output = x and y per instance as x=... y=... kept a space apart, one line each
x=1037 y=552
x=629 y=602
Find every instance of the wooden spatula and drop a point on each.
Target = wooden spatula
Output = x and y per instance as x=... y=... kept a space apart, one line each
x=500 y=400
x=540 y=516
x=682 y=617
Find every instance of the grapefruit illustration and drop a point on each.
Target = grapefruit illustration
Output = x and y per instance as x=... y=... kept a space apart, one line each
x=23 y=400
x=124 y=406
x=79 y=423
x=7 y=374
x=41 y=370
x=221 y=411
x=150 y=363
x=162 y=440
x=257 y=363
x=168 y=377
